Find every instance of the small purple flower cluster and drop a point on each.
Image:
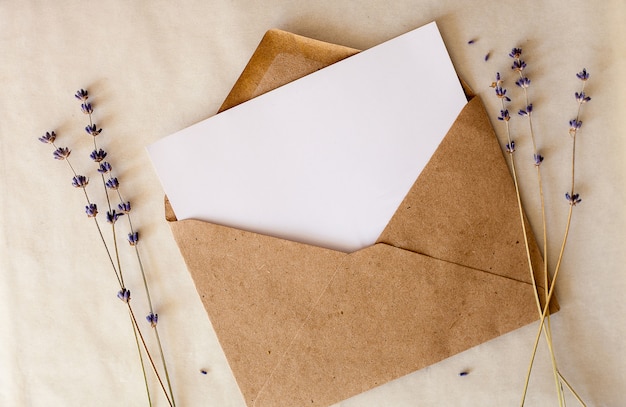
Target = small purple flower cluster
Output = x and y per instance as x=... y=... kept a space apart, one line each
x=111 y=183
x=518 y=66
x=111 y=186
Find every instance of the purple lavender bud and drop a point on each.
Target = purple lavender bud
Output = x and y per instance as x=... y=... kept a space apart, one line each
x=153 y=319
x=48 y=138
x=82 y=95
x=98 y=156
x=471 y=41
x=113 y=183
x=573 y=199
x=124 y=207
x=510 y=147
x=112 y=216
x=93 y=130
x=91 y=210
x=518 y=65
x=574 y=125
x=583 y=75
x=80 y=181
x=515 y=53
x=581 y=97
x=527 y=112
x=538 y=159
x=124 y=295
x=501 y=93
x=61 y=153
x=504 y=115
x=86 y=108
x=104 y=168
x=523 y=82
x=133 y=238
x=487 y=55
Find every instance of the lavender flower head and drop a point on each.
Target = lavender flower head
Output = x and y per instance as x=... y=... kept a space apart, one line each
x=510 y=147
x=48 y=138
x=527 y=111
x=98 y=156
x=574 y=125
x=133 y=238
x=91 y=210
x=538 y=158
x=113 y=183
x=518 y=65
x=504 y=115
x=515 y=53
x=82 y=95
x=93 y=130
x=124 y=295
x=112 y=216
x=80 y=181
x=523 y=82
x=573 y=199
x=153 y=319
x=583 y=75
x=104 y=168
x=86 y=108
x=500 y=91
x=124 y=207
x=61 y=153
x=581 y=97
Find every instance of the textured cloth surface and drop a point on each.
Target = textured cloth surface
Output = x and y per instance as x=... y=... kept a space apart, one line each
x=154 y=67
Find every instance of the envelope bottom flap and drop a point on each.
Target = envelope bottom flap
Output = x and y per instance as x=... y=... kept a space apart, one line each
x=389 y=312
x=257 y=290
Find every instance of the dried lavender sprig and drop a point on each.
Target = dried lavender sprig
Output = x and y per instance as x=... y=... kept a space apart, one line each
x=80 y=181
x=510 y=148
x=112 y=183
x=523 y=82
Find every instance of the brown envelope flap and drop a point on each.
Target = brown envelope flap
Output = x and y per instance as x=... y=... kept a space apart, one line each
x=386 y=313
x=301 y=323
x=463 y=207
x=280 y=58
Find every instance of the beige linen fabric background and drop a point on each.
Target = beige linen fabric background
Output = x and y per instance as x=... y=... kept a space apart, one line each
x=154 y=67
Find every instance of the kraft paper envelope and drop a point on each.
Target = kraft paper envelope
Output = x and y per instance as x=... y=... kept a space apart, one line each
x=303 y=325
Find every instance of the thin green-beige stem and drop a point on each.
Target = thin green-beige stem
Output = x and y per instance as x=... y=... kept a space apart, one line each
x=571 y=389
x=547 y=328
x=145 y=346
x=143 y=367
x=149 y=299
x=550 y=293
x=156 y=332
